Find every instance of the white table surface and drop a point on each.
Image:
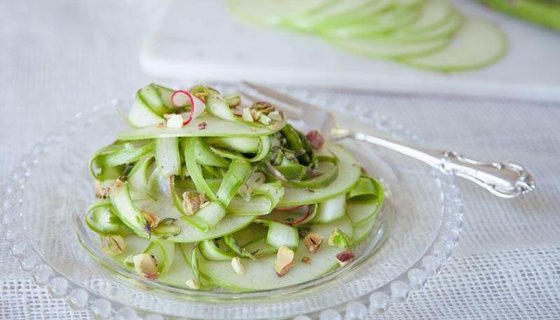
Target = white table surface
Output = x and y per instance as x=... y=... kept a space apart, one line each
x=59 y=57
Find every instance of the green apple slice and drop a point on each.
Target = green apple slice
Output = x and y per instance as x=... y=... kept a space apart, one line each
x=179 y=272
x=384 y=48
x=478 y=43
x=260 y=274
x=432 y=14
x=336 y=11
x=372 y=26
x=273 y=12
x=375 y=8
x=444 y=30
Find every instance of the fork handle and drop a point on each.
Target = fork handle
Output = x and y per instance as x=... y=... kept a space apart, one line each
x=503 y=179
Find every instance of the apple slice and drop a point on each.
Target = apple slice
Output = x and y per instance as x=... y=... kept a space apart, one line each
x=273 y=12
x=478 y=43
x=260 y=274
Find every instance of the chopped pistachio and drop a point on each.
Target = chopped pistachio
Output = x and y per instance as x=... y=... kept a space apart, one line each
x=263 y=106
x=151 y=218
x=264 y=119
x=113 y=245
x=192 y=201
x=256 y=114
x=146 y=265
x=339 y=239
x=345 y=257
x=246 y=115
x=237 y=266
x=167 y=227
x=237 y=111
x=202 y=92
x=103 y=189
x=98 y=190
x=201 y=95
x=193 y=284
x=233 y=100
x=174 y=120
x=119 y=183
x=285 y=260
x=313 y=242
x=276 y=116
x=202 y=125
x=110 y=188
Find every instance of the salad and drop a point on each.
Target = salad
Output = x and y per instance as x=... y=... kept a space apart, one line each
x=209 y=191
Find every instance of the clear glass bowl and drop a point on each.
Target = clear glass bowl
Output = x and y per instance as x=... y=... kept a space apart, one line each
x=44 y=202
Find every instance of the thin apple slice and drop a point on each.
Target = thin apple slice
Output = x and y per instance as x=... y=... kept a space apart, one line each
x=372 y=26
x=273 y=12
x=260 y=274
x=447 y=29
x=179 y=273
x=444 y=30
x=334 y=12
x=387 y=48
x=432 y=14
x=478 y=43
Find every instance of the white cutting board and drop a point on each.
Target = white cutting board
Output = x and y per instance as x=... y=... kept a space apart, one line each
x=198 y=40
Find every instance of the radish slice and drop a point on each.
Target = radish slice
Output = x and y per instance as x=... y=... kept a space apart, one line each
x=289 y=208
x=297 y=216
x=182 y=98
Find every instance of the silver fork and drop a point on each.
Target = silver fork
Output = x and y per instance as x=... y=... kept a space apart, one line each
x=503 y=179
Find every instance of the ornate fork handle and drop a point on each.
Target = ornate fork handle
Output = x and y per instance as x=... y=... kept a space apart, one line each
x=503 y=179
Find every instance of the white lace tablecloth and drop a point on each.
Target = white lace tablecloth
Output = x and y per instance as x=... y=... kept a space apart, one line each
x=59 y=56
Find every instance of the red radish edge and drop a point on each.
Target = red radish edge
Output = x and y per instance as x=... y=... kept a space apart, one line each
x=289 y=208
x=298 y=220
x=316 y=139
x=191 y=98
x=309 y=210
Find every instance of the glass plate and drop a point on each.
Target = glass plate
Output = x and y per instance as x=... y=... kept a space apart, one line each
x=45 y=199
